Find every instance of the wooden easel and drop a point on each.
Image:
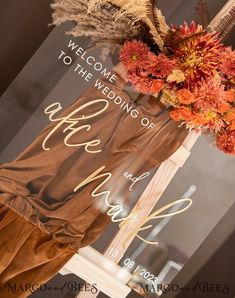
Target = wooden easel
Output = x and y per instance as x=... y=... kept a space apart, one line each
x=94 y=267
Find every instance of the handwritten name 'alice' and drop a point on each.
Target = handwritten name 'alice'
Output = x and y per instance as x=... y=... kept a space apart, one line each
x=72 y=120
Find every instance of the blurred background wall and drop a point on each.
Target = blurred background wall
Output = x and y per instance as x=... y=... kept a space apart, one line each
x=24 y=26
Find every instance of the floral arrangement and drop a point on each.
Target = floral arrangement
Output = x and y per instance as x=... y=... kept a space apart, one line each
x=196 y=77
x=188 y=66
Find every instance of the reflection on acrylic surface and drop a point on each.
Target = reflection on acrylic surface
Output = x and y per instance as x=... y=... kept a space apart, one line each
x=158 y=265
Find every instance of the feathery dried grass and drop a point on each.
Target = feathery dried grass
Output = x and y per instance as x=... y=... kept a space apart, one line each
x=138 y=10
x=97 y=25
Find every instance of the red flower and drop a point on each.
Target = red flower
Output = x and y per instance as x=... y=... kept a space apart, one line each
x=185 y=96
x=160 y=66
x=230 y=116
x=134 y=54
x=230 y=95
x=143 y=83
x=225 y=141
x=197 y=52
x=227 y=65
x=136 y=75
x=210 y=96
x=149 y=86
x=186 y=30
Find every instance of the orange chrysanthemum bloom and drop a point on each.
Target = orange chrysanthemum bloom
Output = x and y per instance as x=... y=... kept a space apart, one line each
x=209 y=120
x=160 y=66
x=230 y=116
x=230 y=95
x=134 y=54
x=211 y=96
x=230 y=119
x=227 y=65
x=197 y=52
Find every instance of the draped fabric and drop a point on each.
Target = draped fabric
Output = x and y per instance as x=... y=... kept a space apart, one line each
x=29 y=257
x=37 y=188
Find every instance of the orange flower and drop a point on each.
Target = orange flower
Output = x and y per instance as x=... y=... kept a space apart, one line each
x=232 y=125
x=230 y=95
x=209 y=120
x=227 y=64
x=185 y=96
x=199 y=120
x=156 y=86
x=211 y=96
x=230 y=116
x=134 y=54
x=148 y=86
x=181 y=113
x=160 y=66
x=197 y=51
x=223 y=107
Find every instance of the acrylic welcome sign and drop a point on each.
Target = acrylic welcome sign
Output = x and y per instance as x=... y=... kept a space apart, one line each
x=102 y=171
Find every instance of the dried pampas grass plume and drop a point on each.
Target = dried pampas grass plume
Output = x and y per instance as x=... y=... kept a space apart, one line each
x=137 y=10
x=97 y=25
